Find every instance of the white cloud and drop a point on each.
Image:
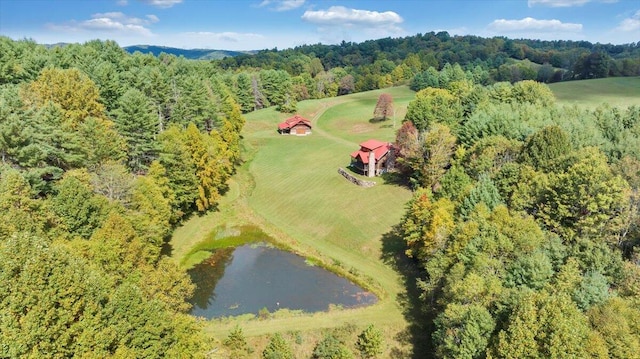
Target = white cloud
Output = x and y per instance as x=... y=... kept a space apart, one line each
x=153 y=18
x=339 y=23
x=342 y=16
x=282 y=5
x=106 y=24
x=529 y=24
x=565 y=3
x=630 y=24
x=111 y=22
x=122 y=2
x=162 y=3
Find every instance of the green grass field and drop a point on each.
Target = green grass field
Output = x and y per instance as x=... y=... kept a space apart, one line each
x=616 y=91
x=290 y=187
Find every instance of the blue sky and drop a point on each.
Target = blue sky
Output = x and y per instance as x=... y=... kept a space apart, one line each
x=266 y=24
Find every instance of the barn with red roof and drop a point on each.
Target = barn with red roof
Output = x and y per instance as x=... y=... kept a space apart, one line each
x=373 y=158
x=296 y=125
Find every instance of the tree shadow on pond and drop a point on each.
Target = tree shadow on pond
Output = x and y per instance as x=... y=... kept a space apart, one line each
x=417 y=336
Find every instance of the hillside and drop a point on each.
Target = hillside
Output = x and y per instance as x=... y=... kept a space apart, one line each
x=194 y=54
x=617 y=91
x=298 y=197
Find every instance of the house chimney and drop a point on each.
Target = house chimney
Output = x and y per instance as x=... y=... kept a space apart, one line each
x=372 y=164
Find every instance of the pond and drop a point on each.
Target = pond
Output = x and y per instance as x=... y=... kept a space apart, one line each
x=245 y=279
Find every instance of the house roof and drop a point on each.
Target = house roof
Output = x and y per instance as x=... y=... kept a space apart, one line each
x=293 y=121
x=379 y=149
x=372 y=144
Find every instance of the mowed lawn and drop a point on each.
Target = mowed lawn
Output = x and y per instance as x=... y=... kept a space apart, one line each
x=298 y=188
x=291 y=188
x=616 y=91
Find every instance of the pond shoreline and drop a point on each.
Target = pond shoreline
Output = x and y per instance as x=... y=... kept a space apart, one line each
x=258 y=278
x=235 y=236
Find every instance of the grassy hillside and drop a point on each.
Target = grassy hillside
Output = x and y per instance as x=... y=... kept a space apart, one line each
x=289 y=186
x=617 y=91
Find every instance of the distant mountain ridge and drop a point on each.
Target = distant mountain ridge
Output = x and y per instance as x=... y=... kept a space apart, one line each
x=195 y=54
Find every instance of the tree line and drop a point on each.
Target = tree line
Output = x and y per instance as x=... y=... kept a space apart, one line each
x=282 y=78
x=102 y=155
x=384 y=62
x=524 y=220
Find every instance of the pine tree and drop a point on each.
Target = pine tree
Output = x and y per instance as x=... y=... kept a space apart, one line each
x=331 y=348
x=135 y=121
x=370 y=342
x=278 y=348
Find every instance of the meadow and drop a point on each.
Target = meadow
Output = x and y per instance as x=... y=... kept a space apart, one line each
x=616 y=91
x=289 y=187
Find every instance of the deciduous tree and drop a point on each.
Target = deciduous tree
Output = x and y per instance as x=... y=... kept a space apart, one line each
x=72 y=90
x=384 y=107
x=434 y=106
x=427 y=224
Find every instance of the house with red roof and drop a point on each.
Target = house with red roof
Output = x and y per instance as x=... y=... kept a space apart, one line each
x=373 y=158
x=296 y=125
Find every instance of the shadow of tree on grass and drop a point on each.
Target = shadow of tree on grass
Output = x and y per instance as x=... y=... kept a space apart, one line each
x=418 y=333
x=396 y=178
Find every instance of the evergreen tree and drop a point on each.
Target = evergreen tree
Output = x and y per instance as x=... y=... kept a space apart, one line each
x=331 y=348
x=484 y=192
x=463 y=331
x=544 y=146
x=101 y=141
x=278 y=348
x=244 y=93
x=236 y=340
x=135 y=121
x=19 y=210
x=370 y=342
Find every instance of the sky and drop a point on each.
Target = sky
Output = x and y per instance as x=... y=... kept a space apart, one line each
x=243 y=25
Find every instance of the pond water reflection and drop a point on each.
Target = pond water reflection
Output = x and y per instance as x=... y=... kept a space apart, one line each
x=247 y=278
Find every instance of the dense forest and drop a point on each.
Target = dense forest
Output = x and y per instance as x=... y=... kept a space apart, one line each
x=103 y=153
x=379 y=63
x=524 y=220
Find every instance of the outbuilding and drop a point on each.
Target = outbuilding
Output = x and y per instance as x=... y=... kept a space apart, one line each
x=296 y=125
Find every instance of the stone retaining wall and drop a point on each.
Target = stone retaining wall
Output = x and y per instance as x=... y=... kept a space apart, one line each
x=355 y=180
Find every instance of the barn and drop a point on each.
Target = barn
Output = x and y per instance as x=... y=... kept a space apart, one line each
x=373 y=158
x=296 y=125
